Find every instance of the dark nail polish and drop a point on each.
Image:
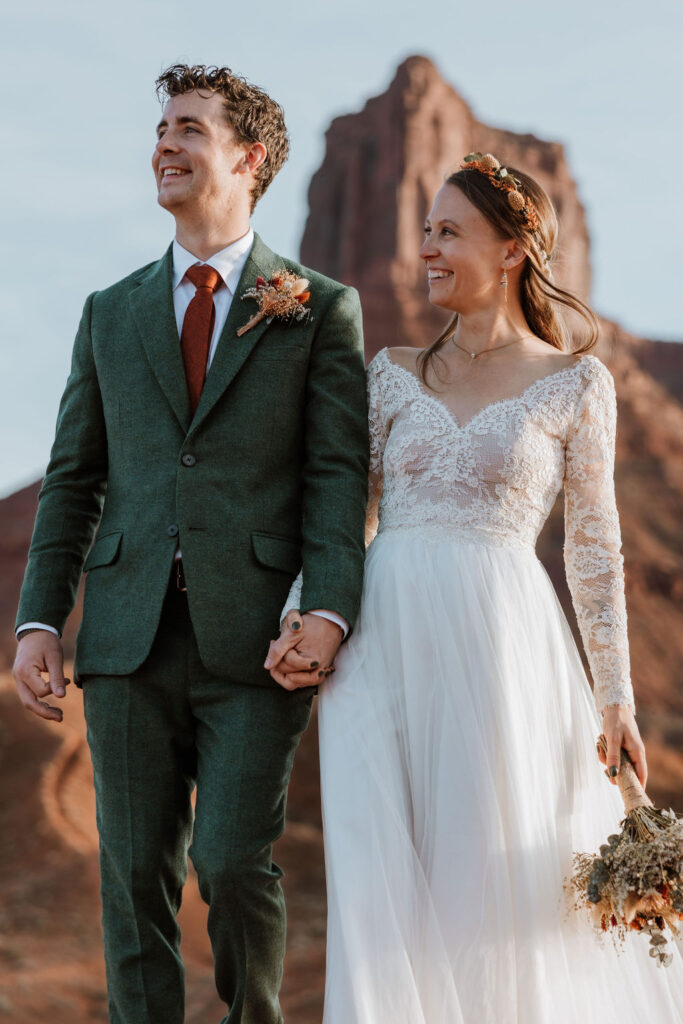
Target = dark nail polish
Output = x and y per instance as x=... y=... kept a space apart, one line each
x=314 y=664
x=296 y=625
x=320 y=674
x=613 y=772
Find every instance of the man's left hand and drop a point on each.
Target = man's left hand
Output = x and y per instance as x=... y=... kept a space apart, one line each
x=305 y=650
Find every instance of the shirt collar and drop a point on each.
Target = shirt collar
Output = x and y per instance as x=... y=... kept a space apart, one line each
x=229 y=262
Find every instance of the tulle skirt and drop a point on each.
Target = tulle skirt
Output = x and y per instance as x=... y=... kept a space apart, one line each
x=459 y=772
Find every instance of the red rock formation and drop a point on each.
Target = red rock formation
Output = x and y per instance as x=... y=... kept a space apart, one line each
x=381 y=170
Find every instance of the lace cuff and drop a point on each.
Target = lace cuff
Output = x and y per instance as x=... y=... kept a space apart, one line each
x=294 y=597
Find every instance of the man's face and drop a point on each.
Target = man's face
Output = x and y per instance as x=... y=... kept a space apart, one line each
x=198 y=162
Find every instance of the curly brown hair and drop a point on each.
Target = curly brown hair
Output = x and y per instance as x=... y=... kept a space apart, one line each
x=251 y=113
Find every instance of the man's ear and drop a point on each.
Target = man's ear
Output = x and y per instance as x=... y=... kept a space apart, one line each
x=252 y=158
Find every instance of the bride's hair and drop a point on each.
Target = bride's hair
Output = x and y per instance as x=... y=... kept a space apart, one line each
x=542 y=300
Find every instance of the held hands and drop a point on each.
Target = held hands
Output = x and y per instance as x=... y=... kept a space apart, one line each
x=304 y=652
x=620 y=730
x=37 y=653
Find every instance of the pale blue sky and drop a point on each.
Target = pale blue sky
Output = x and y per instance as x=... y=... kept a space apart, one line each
x=79 y=206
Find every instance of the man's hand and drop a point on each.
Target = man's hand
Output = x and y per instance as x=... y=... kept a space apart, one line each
x=305 y=650
x=40 y=652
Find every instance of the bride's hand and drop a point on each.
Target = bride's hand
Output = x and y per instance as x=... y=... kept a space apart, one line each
x=302 y=656
x=620 y=730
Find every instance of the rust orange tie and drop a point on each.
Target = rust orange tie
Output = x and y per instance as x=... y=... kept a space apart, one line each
x=198 y=328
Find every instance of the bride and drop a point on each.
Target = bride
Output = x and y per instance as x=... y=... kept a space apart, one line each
x=457 y=739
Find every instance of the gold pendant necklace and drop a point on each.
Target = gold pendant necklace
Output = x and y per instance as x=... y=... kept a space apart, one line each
x=475 y=355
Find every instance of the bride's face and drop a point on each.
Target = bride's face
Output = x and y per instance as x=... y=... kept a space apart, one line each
x=463 y=253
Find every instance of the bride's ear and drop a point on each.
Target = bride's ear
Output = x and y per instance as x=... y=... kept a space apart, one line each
x=513 y=255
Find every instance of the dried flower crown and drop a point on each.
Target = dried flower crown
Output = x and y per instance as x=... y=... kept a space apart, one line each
x=500 y=178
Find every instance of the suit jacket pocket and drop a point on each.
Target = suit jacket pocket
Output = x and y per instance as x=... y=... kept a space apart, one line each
x=104 y=551
x=277 y=552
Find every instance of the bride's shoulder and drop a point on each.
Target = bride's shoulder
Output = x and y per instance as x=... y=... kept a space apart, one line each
x=584 y=369
x=404 y=356
x=595 y=394
x=392 y=376
x=594 y=371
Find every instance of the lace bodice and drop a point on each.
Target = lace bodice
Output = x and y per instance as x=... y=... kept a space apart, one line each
x=495 y=479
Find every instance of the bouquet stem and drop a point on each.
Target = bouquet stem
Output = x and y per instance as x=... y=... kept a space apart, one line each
x=632 y=792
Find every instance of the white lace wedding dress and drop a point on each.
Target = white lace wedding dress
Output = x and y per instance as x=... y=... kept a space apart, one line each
x=457 y=738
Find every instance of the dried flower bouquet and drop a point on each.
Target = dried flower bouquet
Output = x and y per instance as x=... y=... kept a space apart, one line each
x=636 y=881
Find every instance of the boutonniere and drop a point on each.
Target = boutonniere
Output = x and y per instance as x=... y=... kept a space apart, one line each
x=282 y=297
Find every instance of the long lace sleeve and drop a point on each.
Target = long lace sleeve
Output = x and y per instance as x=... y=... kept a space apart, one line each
x=592 y=552
x=378 y=437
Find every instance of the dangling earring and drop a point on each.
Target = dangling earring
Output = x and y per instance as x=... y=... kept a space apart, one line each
x=504 y=280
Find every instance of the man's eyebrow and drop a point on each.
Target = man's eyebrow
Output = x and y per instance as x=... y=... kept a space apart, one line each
x=185 y=119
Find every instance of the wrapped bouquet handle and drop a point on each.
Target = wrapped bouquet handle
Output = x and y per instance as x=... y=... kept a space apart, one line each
x=632 y=793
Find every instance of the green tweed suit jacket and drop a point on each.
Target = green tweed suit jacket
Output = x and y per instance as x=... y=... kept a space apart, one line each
x=268 y=476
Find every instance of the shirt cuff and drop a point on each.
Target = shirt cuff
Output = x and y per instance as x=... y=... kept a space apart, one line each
x=36 y=625
x=333 y=617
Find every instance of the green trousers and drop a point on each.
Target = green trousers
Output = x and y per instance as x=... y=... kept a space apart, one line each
x=153 y=736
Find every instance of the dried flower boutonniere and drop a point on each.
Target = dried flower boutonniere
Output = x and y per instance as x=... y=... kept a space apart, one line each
x=282 y=297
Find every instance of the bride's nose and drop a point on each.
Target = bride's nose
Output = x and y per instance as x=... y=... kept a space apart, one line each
x=428 y=250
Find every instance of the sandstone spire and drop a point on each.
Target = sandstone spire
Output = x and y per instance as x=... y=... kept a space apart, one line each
x=381 y=170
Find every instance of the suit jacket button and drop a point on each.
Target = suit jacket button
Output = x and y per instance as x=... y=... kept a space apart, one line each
x=188 y=460
x=172 y=530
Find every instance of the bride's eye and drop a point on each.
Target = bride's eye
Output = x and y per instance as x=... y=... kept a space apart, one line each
x=427 y=229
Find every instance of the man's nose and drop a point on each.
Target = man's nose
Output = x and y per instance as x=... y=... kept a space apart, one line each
x=166 y=144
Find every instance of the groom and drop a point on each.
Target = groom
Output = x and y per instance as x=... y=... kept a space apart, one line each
x=209 y=468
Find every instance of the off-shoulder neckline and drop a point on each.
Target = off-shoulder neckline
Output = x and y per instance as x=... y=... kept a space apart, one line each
x=500 y=402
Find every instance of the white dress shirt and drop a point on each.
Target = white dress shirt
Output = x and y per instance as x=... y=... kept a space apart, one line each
x=229 y=263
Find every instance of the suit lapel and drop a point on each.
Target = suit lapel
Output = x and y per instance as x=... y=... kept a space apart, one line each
x=231 y=351
x=152 y=307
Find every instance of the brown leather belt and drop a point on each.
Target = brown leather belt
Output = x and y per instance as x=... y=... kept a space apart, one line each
x=179 y=575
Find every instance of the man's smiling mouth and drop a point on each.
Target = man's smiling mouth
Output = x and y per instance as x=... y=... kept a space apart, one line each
x=169 y=172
